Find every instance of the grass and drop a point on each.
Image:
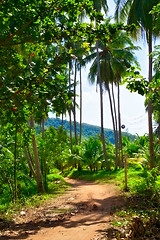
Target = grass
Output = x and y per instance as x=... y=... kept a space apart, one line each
x=28 y=196
x=116 y=177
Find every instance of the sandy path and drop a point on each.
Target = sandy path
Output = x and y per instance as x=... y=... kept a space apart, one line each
x=87 y=207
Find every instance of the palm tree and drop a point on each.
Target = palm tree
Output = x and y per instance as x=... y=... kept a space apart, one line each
x=101 y=104
x=138 y=12
x=98 y=6
x=115 y=58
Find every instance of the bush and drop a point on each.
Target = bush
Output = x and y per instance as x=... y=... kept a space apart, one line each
x=149 y=186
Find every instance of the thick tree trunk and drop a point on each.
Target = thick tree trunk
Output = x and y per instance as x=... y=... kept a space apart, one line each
x=151 y=147
x=80 y=126
x=37 y=163
x=101 y=107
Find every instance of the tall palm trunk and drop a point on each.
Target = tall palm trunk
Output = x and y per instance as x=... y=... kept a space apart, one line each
x=101 y=107
x=151 y=147
x=119 y=127
x=70 y=118
x=80 y=125
x=113 y=122
x=37 y=163
x=116 y=125
x=74 y=110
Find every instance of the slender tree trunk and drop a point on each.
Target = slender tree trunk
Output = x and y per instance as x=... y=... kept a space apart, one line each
x=151 y=147
x=70 y=118
x=37 y=163
x=80 y=127
x=42 y=126
x=159 y=126
x=116 y=125
x=15 y=165
x=43 y=158
x=74 y=110
x=62 y=119
x=101 y=106
x=113 y=122
x=119 y=127
x=29 y=160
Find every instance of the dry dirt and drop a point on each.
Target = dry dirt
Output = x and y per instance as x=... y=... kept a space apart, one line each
x=81 y=214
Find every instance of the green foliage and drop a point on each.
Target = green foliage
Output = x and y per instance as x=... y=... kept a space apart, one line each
x=34 y=78
x=54 y=177
x=149 y=185
x=93 y=153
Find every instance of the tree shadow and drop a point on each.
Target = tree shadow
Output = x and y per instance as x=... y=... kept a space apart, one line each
x=92 y=212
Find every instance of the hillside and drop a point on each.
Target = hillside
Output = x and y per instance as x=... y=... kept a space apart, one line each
x=87 y=129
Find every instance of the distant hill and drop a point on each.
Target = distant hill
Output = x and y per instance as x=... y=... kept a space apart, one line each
x=87 y=129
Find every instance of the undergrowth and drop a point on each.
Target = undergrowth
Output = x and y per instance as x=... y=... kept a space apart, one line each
x=27 y=195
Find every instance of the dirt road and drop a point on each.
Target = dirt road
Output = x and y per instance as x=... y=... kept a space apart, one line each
x=80 y=214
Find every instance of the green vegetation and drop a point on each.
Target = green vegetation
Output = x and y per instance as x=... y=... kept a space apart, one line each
x=43 y=47
x=140 y=180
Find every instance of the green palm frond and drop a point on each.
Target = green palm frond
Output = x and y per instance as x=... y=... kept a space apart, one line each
x=92 y=76
x=100 y=5
x=88 y=59
x=137 y=12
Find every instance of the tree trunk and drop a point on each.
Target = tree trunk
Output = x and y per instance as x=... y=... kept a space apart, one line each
x=80 y=125
x=43 y=158
x=74 y=110
x=70 y=119
x=119 y=128
x=151 y=147
x=29 y=160
x=37 y=163
x=42 y=126
x=116 y=124
x=62 y=119
x=159 y=126
x=15 y=165
x=114 y=129
x=101 y=107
